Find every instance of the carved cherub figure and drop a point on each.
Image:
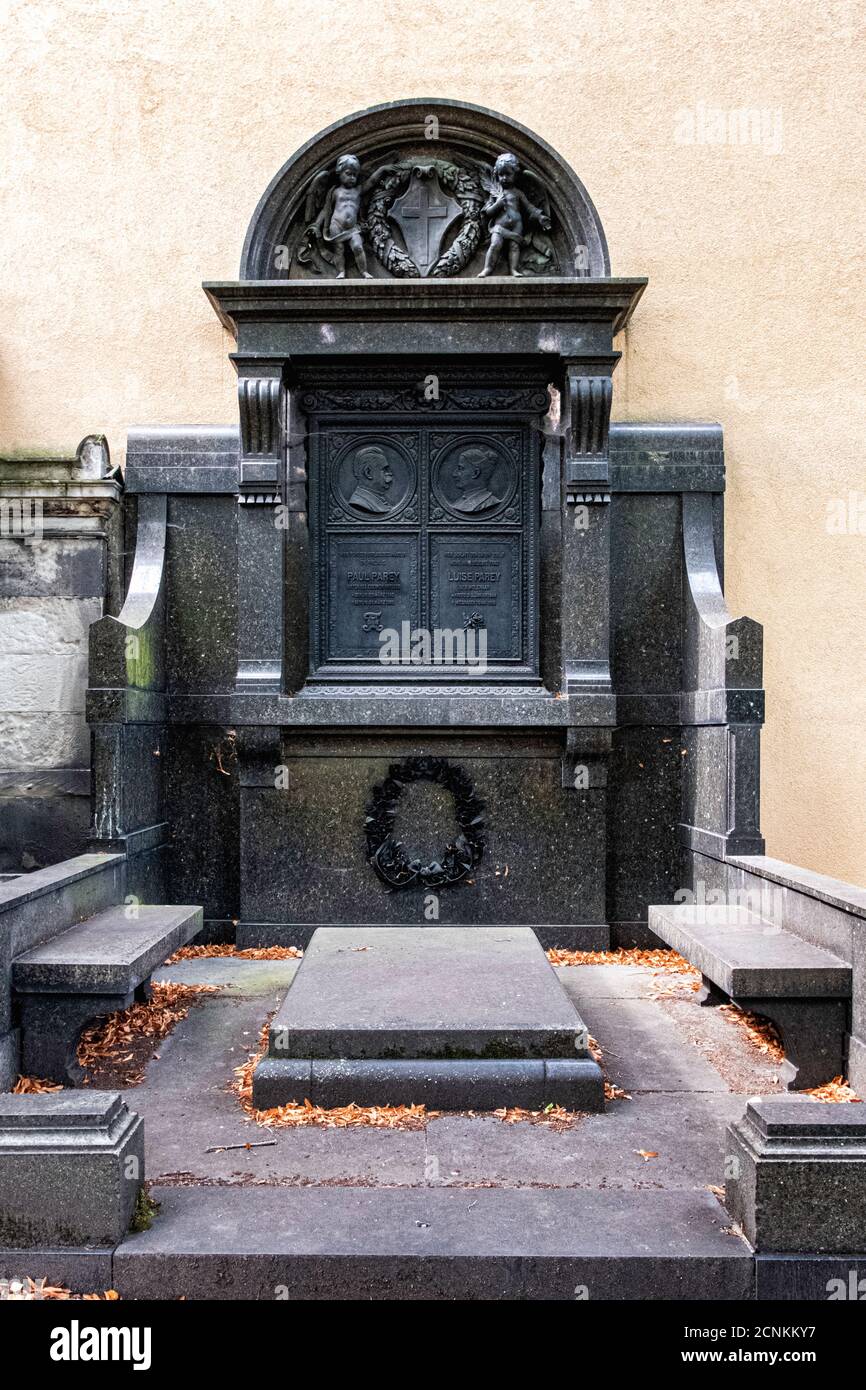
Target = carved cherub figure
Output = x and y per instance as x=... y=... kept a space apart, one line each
x=509 y=211
x=338 y=222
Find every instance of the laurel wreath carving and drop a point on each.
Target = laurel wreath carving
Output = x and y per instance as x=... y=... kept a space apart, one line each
x=388 y=856
x=463 y=184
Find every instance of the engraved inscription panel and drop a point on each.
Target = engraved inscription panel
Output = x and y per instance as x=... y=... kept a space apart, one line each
x=475 y=583
x=373 y=585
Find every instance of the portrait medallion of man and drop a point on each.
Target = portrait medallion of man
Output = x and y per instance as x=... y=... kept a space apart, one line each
x=374 y=480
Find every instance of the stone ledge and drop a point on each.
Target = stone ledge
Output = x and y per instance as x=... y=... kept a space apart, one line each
x=54 y=878
x=847 y=897
x=435 y=1242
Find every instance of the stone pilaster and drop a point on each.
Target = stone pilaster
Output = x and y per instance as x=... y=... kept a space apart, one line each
x=262 y=404
x=586 y=403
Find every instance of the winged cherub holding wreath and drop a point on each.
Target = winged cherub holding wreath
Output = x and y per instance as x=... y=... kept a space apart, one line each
x=334 y=216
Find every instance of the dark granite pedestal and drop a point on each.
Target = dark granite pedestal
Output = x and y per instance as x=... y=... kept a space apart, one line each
x=451 y=1017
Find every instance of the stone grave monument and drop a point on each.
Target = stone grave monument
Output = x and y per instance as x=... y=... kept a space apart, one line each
x=419 y=640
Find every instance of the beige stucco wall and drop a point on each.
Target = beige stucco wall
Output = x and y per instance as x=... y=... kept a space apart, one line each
x=139 y=134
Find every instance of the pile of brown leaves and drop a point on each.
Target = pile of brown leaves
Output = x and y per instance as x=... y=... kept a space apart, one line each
x=670 y=961
x=344 y=1116
x=250 y=953
x=27 y=1290
x=836 y=1091
x=34 y=1086
x=760 y=1031
x=554 y=1116
x=121 y=1037
x=612 y=1092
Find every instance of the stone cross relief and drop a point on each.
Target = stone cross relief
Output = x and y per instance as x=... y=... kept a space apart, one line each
x=424 y=215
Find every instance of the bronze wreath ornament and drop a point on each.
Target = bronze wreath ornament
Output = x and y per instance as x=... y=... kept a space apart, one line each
x=389 y=857
x=462 y=183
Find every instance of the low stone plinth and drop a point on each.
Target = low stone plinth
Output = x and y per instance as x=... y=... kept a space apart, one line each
x=451 y=1017
x=71 y=1166
x=799 y=1176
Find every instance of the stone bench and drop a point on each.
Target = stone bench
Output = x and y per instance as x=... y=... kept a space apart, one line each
x=87 y=971
x=802 y=989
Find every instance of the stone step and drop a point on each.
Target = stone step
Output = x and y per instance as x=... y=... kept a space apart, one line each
x=108 y=953
x=580 y=936
x=434 y=1243
x=747 y=956
x=452 y=1017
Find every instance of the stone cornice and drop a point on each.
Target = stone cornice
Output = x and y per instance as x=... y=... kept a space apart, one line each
x=543 y=300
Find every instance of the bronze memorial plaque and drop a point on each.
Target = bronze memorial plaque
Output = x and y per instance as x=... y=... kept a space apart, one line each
x=425 y=536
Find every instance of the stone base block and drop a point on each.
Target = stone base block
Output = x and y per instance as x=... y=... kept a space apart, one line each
x=71 y=1166
x=461 y=1084
x=800 y=1176
x=811 y=1278
x=51 y=1026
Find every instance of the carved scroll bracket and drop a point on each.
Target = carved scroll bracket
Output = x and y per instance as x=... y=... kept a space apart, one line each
x=586 y=758
x=262 y=411
x=587 y=397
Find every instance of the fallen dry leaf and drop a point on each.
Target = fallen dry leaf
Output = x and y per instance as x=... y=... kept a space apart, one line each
x=655 y=959
x=34 y=1086
x=249 y=953
x=612 y=1092
x=760 y=1031
x=107 y=1042
x=23 y=1289
x=836 y=1092
x=556 y=1117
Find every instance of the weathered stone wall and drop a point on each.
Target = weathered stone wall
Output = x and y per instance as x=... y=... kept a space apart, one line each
x=59 y=570
x=721 y=145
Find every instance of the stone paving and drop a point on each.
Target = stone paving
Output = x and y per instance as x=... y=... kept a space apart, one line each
x=688 y=1071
